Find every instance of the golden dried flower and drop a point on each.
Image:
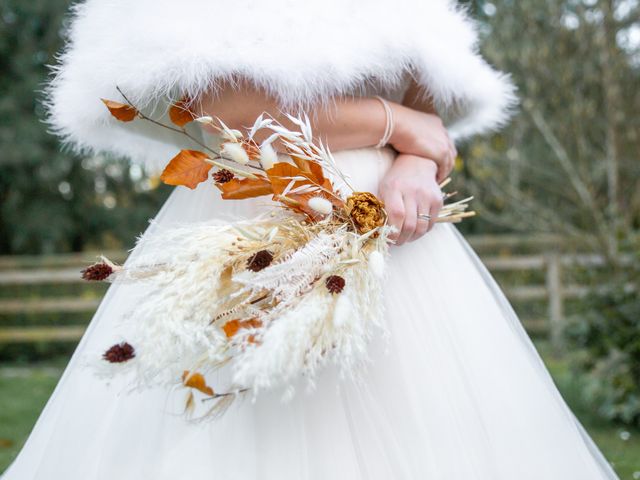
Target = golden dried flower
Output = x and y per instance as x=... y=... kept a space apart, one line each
x=366 y=211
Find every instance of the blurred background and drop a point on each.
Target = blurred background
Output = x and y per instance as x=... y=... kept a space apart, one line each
x=558 y=193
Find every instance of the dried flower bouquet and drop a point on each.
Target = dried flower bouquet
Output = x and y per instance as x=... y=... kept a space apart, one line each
x=271 y=299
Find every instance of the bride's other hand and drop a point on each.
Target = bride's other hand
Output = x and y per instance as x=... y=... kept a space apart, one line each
x=423 y=134
x=408 y=188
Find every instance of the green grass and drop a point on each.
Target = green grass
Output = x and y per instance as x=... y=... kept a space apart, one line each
x=25 y=390
x=619 y=443
x=23 y=394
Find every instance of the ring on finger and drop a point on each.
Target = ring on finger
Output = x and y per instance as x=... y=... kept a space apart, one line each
x=424 y=216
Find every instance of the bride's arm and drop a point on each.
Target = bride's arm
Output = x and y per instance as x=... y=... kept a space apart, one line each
x=345 y=123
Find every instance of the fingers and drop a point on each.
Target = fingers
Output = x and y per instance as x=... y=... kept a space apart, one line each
x=444 y=155
x=410 y=220
x=436 y=206
x=424 y=207
x=429 y=202
x=394 y=205
x=409 y=188
x=447 y=165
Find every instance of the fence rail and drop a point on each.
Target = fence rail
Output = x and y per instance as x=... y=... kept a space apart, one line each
x=64 y=269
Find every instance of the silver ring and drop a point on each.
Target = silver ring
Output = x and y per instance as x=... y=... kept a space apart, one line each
x=424 y=216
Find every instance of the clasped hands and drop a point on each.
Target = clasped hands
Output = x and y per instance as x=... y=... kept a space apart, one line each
x=410 y=187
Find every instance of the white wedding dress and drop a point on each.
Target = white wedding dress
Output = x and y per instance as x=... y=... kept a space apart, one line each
x=460 y=394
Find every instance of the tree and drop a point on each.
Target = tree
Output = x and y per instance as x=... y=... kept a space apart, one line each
x=569 y=161
x=51 y=200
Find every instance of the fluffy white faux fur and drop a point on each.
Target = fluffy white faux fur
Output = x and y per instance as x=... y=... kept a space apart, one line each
x=302 y=51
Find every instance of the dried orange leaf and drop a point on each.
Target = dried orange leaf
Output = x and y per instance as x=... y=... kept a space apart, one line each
x=281 y=175
x=180 y=114
x=122 y=111
x=188 y=168
x=232 y=326
x=252 y=149
x=197 y=381
x=237 y=189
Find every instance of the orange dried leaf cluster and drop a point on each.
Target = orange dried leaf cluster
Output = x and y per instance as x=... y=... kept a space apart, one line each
x=180 y=112
x=122 y=111
x=197 y=381
x=309 y=173
x=188 y=169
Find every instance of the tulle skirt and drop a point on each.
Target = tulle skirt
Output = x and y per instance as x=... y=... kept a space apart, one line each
x=457 y=391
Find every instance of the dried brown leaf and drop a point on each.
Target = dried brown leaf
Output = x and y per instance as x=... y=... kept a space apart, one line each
x=237 y=188
x=122 y=111
x=232 y=326
x=188 y=168
x=196 y=380
x=180 y=112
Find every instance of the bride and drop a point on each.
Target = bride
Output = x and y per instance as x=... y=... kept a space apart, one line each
x=460 y=394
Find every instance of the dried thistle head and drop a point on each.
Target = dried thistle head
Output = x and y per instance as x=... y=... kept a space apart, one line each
x=259 y=260
x=366 y=211
x=223 y=176
x=97 y=272
x=335 y=283
x=119 y=353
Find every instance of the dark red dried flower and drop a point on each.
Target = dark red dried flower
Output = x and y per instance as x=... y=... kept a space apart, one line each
x=223 y=176
x=334 y=283
x=119 y=353
x=97 y=272
x=260 y=260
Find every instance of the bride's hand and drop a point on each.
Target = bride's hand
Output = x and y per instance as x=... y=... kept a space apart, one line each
x=424 y=135
x=410 y=187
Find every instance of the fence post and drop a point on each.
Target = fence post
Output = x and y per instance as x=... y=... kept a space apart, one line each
x=556 y=310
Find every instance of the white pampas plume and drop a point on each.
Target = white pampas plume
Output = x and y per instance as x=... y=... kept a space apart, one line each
x=320 y=205
x=290 y=346
x=235 y=152
x=268 y=156
x=342 y=311
x=376 y=264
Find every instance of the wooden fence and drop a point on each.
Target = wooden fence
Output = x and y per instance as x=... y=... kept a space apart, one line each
x=19 y=271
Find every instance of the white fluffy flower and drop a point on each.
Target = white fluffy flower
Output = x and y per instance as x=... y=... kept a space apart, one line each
x=320 y=205
x=376 y=264
x=235 y=152
x=268 y=156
